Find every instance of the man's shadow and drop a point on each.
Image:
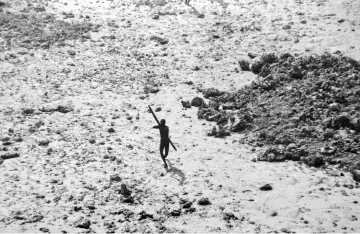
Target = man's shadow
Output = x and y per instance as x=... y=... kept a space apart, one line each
x=176 y=171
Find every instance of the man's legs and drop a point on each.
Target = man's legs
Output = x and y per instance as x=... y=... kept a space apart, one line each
x=166 y=149
x=162 y=146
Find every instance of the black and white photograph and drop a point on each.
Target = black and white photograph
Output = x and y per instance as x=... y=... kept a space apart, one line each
x=179 y=116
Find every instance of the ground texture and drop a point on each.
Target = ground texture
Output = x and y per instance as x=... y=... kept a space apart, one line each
x=78 y=150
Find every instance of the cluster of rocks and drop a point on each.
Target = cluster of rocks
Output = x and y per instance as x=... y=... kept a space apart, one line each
x=300 y=108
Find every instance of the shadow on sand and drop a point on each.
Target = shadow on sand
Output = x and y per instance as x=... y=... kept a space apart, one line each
x=176 y=171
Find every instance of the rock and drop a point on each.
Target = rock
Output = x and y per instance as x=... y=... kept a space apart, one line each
x=44 y=142
x=186 y=104
x=197 y=102
x=315 y=161
x=266 y=187
x=115 y=178
x=273 y=214
x=158 y=109
x=342 y=120
x=175 y=213
x=6 y=138
x=44 y=229
x=252 y=55
x=211 y=92
x=155 y=17
x=161 y=41
x=269 y=58
x=272 y=154
x=9 y=155
x=71 y=52
x=187 y=205
x=52 y=107
x=244 y=65
x=151 y=89
x=222 y=133
x=227 y=216
x=201 y=16
x=257 y=66
x=204 y=201
x=334 y=107
x=129 y=200
x=213 y=132
x=341 y=20
x=111 y=130
x=286 y=27
x=356 y=175
x=291 y=146
x=125 y=191
x=144 y=215
x=296 y=73
x=327 y=150
x=82 y=223
x=28 y=111
x=196 y=68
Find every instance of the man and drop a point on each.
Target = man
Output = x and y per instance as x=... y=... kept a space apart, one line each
x=164 y=140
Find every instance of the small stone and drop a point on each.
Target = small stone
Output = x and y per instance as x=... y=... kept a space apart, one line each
x=196 y=68
x=9 y=155
x=266 y=187
x=273 y=214
x=92 y=141
x=334 y=106
x=327 y=150
x=125 y=191
x=115 y=178
x=158 y=109
x=44 y=142
x=341 y=20
x=316 y=161
x=187 y=205
x=175 y=213
x=82 y=223
x=286 y=27
x=356 y=175
x=197 y=102
x=204 y=201
x=44 y=229
x=252 y=55
x=28 y=111
x=201 y=16
x=155 y=17
x=229 y=216
x=144 y=215
x=71 y=52
x=186 y=104
x=111 y=130
x=129 y=200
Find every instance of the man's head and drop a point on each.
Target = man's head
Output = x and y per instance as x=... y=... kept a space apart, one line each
x=162 y=122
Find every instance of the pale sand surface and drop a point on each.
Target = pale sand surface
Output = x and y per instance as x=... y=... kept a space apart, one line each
x=104 y=85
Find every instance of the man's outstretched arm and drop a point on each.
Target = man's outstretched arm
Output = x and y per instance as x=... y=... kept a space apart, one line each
x=156 y=126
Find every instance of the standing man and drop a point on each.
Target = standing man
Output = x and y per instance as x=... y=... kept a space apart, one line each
x=164 y=140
